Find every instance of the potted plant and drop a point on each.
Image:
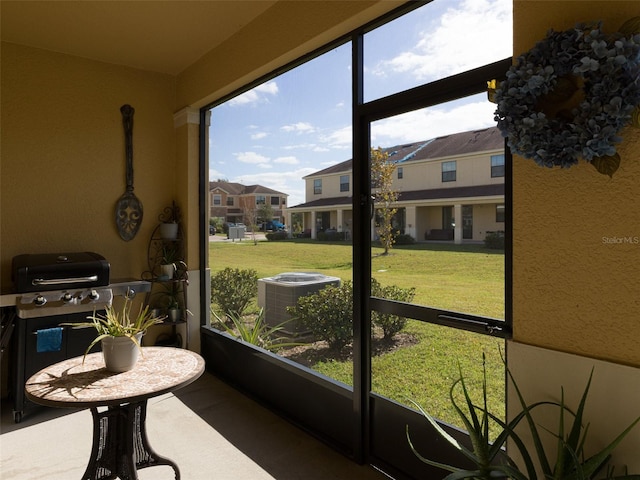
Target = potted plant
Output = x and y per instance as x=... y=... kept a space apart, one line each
x=170 y=257
x=120 y=334
x=169 y=220
x=172 y=300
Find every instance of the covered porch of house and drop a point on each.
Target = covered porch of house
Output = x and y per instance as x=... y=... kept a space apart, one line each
x=208 y=428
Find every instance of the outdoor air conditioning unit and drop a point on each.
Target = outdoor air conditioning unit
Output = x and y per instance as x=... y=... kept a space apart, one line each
x=277 y=293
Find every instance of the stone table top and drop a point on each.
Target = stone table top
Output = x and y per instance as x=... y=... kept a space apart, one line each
x=71 y=383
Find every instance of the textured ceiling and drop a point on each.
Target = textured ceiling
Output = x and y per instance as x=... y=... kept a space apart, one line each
x=160 y=36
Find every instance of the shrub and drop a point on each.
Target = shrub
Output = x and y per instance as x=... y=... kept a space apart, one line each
x=494 y=240
x=330 y=236
x=328 y=314
x=404 y=239
x=275 y=236
x=233 y=289
x=389 y=323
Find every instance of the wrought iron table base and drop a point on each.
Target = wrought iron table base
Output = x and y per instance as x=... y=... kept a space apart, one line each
x=120 y=445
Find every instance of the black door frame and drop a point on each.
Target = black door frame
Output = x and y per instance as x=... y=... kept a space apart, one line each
x=223 y=355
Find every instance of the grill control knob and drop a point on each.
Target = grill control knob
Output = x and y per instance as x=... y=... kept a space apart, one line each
x=93 y=295
x=39 y=301
x=67 y=297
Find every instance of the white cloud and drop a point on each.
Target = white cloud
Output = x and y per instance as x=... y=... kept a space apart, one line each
x=215 y=174
x=432 y=122
x=251 y=157
x=300 y=127
x=300 y=146
x=258 y=136
x=474 y=33
x=339 y=139
x=255 y=95
x=287 y=160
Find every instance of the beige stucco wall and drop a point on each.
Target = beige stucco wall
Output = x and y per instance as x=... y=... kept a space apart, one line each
x=470 y=170
x=63 y=160
x=573 y=290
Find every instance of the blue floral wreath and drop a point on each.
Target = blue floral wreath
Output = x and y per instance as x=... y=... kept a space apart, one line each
x=601 y=71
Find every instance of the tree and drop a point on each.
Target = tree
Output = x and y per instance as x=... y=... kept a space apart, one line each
x=383 y=196
x=251 y=218
x=265 y=213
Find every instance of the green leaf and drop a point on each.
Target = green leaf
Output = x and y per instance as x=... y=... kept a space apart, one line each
x=607 y=165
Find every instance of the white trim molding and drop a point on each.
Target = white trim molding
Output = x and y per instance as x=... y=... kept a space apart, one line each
x=185 y=116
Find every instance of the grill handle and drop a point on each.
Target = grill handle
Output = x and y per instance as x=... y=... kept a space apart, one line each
x=61 y=281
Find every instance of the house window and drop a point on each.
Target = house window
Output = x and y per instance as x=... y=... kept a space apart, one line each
x=317 y=186
x=497 y=165
x=449 y=171
x=217 y=199
x=400 y=173
x=500 y=213
x=275 y=201
x=229 y=201
x=261 y=199
x=344 y=183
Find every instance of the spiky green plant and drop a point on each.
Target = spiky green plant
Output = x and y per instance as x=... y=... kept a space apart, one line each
x=119 y=323
x=256 y=333
x=492 y=462
x=570 y=463
x=484 y=453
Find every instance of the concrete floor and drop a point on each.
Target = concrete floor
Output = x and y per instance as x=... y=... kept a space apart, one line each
x=210 y=430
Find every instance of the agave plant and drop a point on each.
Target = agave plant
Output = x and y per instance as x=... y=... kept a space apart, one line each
x=570 y=463
x=492 y=462
x=119 y=323
x=257 y=333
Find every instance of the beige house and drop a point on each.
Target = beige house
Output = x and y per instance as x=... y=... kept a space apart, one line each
x=450 y=188
x=238 y=203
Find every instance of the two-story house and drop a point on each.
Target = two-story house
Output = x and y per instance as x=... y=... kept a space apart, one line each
x=450 y=188
x=239 y=203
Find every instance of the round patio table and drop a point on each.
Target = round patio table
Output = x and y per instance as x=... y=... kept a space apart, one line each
x=120 y=445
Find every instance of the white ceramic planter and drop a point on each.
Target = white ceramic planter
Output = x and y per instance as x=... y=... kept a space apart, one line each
x=120 y=353
x=169 y=231
x=167 y=270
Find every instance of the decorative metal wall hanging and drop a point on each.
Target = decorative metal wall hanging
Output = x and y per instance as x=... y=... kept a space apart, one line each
x=129 y=207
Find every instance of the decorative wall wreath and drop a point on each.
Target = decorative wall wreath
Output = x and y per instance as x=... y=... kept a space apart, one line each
x=570 y=95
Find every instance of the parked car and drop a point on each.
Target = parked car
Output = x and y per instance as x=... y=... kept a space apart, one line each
x=212 y=229
x=274 y=225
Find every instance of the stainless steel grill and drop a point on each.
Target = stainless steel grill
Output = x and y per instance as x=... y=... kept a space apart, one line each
x=52 y=289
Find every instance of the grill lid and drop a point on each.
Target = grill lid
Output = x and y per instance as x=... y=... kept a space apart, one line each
x=59 y=271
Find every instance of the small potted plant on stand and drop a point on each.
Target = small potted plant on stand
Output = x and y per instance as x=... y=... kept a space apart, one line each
x=170 y=219
x=120 y=334
x=169 y=258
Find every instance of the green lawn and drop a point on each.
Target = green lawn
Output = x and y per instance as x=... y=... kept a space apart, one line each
x=465 y=278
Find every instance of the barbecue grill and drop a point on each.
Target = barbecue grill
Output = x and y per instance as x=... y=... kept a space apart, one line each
x=52 y=289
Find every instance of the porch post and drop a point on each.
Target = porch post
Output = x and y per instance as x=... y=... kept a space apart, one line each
x=410 y=221
x=457 y=231
x=313 y=224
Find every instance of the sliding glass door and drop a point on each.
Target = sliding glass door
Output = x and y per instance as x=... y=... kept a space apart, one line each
x=384 y=159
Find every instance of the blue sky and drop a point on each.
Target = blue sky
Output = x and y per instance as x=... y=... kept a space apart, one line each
x=300 y=122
